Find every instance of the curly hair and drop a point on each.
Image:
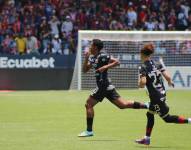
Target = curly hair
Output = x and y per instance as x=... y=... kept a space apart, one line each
x=148 y=49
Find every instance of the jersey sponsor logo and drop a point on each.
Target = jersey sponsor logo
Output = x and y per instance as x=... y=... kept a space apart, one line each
x=33 y=62
x=110 y=87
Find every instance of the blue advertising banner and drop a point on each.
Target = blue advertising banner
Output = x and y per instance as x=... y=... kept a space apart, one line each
x=37 y=61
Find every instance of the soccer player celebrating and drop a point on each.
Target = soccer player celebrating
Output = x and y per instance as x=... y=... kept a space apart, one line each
x=151 y=75
x=101 y=62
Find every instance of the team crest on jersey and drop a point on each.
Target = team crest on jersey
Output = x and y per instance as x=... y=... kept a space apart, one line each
x=103 y=59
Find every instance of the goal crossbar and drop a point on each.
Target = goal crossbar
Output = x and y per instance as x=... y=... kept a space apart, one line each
x=135 y=35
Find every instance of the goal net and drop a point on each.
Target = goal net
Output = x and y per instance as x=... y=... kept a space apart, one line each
x=173 y=47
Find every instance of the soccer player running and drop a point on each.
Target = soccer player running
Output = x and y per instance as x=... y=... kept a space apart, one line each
x=100 y=61
x=151 y=75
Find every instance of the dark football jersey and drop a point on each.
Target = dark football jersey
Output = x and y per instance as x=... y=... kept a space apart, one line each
x=98 y=61
x=154 y=82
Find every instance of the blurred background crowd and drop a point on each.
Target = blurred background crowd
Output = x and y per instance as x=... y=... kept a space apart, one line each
x=50 y=26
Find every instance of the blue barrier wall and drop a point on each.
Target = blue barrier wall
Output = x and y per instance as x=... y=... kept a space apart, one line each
x=36 y=72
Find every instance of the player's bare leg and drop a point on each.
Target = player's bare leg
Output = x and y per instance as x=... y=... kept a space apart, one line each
x=90 y=103
x=123 y=104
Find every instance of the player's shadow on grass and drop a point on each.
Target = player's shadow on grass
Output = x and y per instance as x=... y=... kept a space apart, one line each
x=154 y=147
x=103 y=140
x=159 y=147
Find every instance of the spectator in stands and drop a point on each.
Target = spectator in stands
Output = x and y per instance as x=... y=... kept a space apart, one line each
x=161 y=24
x=13 y=46
x=150 y=25
x=31 y=44
x=142 y=16
x=67 y=25
x=171 y=19
x=81 y=19
x=155 y=4
x=72 y=14
x=6 y=43
x=182 y=23
x=56 y=44
x=71 y=47
x=49 y=9
x=116 y=25
x=185 y=8
x=49 y=49
x=44 y=18
x=44 y=33
x=131 y=15
x=65 y=43
x=189 y=21
x=17 y=25
x=21 y=44
x=54 y=25
x=28 y=30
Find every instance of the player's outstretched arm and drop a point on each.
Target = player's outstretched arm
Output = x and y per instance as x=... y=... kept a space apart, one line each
x=166 y=75
x=112 y=63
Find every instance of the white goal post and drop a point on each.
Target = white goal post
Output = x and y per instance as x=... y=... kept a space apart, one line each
x=173 y=46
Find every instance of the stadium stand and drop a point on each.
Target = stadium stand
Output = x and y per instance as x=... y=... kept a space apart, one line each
x=43 y=20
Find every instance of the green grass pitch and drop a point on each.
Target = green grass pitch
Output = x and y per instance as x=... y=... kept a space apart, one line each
x=51 y=120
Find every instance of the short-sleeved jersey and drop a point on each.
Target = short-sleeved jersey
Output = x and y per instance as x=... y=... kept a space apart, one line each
x=154 y=84
x=98 y=61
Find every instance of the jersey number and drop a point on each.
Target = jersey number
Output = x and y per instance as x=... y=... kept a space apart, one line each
x=156 y=77
x=157 y=109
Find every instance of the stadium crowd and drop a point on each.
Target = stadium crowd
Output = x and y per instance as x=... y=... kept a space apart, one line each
x=50 y=26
